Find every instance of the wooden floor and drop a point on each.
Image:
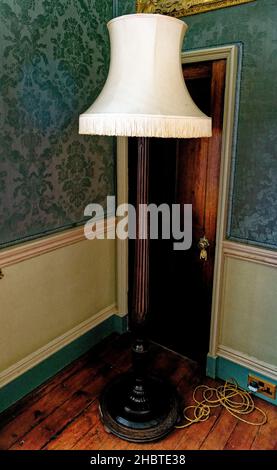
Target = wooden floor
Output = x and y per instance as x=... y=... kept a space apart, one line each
x=63 y=413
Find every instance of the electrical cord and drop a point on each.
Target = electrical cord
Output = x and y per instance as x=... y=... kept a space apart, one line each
x=236 y=401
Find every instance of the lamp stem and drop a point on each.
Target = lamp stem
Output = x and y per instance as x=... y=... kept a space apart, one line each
x=141 y=277
x=140 y=306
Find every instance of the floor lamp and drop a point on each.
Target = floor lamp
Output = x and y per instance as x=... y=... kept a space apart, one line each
x=144 y=96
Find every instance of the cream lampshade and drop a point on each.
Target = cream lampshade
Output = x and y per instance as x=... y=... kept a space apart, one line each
x=145 y=93
x=144 y=96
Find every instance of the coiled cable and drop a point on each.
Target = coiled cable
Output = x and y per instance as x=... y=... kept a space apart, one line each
x=236 y=401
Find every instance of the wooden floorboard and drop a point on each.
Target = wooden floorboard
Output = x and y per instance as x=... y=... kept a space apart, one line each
x=63 y=412
x=220 y=433
x=55 y=422
x=266 y=437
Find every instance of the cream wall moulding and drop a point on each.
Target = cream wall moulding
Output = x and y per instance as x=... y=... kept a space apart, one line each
x=179 y=8
x=24 y=251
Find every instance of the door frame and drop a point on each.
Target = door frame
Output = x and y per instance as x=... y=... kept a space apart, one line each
x=231 y=53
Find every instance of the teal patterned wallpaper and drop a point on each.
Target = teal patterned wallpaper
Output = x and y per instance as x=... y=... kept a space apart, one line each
x=54 y=61
x=253 y=202
x=125 y=7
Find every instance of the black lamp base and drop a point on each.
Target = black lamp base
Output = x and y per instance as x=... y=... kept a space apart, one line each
x=139 y=410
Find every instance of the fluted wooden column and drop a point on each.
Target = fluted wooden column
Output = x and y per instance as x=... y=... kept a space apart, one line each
x=141 y=274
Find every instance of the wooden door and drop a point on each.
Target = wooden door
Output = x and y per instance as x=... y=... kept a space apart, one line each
x=186 y=171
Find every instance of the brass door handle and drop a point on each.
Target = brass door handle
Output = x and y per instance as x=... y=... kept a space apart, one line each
x=203 y=244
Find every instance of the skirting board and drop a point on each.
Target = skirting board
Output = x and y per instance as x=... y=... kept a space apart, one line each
x=32 y=378
x=222 y=368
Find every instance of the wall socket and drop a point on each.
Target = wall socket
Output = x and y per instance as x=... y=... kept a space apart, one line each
x=264 y=387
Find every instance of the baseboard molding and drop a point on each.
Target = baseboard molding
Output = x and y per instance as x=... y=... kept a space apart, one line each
x=27 y=375
x=247 y=361
x=211 y=366
x=225 y=368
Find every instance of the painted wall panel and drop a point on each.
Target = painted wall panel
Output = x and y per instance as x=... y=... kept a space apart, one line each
x=44 y=297
x=249 y=320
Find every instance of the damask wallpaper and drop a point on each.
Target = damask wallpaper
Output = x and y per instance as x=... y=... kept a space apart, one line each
x=125 y=7
x=54 y=61
x=55 y=58
x=253 y=202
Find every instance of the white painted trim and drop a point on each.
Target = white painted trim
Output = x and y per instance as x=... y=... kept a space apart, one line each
x=122 y=245
x=44 y=245
x=206 y=54
x=43 y=353
x=249 y=362
x=250 y=253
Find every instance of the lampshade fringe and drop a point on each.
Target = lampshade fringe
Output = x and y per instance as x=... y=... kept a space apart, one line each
x=145 y=126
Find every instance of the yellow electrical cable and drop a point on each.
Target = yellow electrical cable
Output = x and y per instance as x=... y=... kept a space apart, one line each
x=230 y=396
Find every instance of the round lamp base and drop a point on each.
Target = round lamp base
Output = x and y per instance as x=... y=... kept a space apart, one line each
x=139 y=411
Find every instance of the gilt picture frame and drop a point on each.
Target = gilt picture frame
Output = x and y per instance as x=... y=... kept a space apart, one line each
x=180 y=8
